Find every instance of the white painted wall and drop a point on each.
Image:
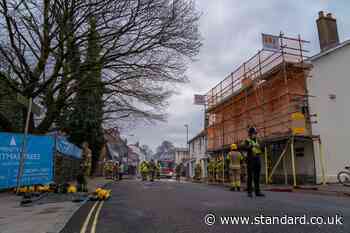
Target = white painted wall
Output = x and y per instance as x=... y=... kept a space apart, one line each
x=181 y=155
x=198 y=148
x=331 y=76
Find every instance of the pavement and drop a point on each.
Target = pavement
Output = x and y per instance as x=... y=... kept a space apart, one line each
x=44 y=217
x=168 y=206
x=330 y=189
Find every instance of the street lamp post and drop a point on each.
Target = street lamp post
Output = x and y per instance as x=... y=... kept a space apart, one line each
x=188 y=147
x=186 y=126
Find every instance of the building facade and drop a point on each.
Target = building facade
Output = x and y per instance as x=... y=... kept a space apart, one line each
x=329 y=93
x=198 y=153
x=135 y=156
x=114 y=149
x=181 y=155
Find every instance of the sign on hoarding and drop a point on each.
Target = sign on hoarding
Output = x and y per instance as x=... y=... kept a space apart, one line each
x=271 y=42
x=199 y=99
x=67 y=148
x=38 y=160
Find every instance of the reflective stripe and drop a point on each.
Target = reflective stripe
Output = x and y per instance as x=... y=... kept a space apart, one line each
x=235 y=158
x=256 y=146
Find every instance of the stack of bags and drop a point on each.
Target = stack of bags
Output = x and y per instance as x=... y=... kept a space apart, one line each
x=101 y=194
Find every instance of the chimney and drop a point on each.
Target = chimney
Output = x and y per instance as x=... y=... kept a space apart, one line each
x=327 y=31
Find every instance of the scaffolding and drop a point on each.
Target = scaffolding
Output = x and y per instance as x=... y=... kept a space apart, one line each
x=269 y=92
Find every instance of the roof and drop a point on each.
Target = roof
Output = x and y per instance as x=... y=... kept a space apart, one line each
x=328 y=51
x=137 y=152
x=116 y=151
x=136 y=149
x=201 y=134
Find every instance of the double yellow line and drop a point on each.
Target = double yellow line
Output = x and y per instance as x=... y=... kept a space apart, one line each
x=88 y=217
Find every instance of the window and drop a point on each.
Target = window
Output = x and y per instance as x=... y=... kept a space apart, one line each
x=166 y=164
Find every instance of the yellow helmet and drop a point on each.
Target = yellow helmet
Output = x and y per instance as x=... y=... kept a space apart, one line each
x=234 y=146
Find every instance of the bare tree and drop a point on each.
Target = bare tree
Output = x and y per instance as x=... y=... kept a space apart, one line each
x=146 y=46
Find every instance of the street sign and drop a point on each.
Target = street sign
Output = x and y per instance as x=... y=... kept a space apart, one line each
x=199 y=99
x=36 y=109
x=271 y=42
x=298 y=123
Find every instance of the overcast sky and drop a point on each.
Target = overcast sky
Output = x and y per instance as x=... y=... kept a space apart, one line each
x=231 y=31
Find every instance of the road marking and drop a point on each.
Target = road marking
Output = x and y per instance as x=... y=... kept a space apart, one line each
x=87 y=220
x=93 y=228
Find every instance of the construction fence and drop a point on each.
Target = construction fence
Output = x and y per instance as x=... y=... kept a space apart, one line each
x=46 y=159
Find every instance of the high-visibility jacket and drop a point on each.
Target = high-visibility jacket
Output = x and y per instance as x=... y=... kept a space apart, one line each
x=151 y=166
x=210 y=166
x=255 y=146
x=219 y=166
x=144 y=167
x=235 y=158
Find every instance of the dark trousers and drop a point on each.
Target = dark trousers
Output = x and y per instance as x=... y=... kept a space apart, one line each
x=253 y=170
x=152 y=175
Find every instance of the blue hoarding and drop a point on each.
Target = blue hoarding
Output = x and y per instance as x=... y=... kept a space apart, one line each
x=38 y=165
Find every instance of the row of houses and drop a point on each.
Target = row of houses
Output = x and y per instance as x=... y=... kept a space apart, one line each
x=116 y=149
x=195 y=153
x=297 y=102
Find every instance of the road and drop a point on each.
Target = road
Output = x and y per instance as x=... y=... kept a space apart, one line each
x=171 y=207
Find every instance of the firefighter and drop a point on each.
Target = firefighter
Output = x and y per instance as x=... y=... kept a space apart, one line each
x=81 y=180
x=198 y=172
x=244 y=169
x=210 y=169
x=254 y=152
x=116 y=171
x=144 y=170
x=235 y=158
x=158 y=170
x=178 y=170
x=219 y=168
x=151 y=169
x=122 y=170
x=216 y=170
